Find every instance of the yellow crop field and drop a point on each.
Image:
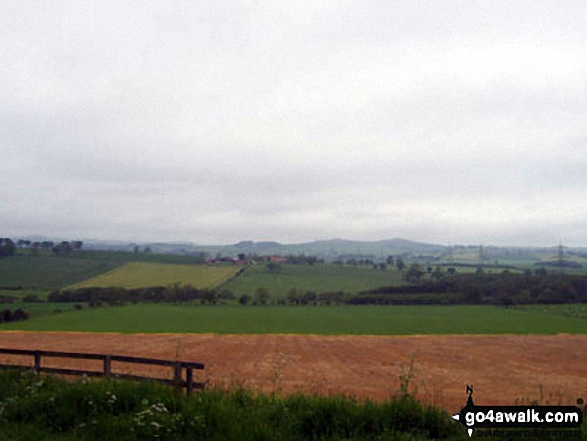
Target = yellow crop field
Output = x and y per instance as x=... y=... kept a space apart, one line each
x=142 y=275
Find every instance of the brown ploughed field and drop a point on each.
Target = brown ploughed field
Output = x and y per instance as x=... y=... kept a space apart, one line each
x=503 y=369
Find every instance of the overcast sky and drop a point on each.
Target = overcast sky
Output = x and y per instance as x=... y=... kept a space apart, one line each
x=453 y=122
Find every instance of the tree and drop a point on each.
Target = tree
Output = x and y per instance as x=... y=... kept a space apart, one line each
x=77 y=244
x=293 y=296
x=437 y=273
x=472 y=293
x=261 y=296
x=244 y=299
x=65 y=246
x=274 y=267
x=226 y=294
x=209 y=295
x=399 y=263
x=505 y=300
x=309 y=297
x=523 y=297
x=414 y=273
x=7 y=247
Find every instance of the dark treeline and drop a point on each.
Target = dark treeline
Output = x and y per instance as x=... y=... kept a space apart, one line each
x=507 y=288
x=8 y=247
x=176 y=293
x=7 y=315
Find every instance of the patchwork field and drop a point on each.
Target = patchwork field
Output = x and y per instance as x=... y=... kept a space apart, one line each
x=502 y=369
x=141 y=274
x=357 y=320
x=539 y=354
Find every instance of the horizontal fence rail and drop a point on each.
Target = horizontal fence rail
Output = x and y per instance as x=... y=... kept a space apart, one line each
x=178 y=366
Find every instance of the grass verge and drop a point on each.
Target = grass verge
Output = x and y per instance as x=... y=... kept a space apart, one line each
x=47 y=408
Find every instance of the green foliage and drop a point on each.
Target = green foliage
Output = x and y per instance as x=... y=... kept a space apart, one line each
x=506 y=288
x=274 y=267
x=7 y=315
x=261 y=296
x=407 y=374
x=414 y=273
x=361 y=320
x=48 y=408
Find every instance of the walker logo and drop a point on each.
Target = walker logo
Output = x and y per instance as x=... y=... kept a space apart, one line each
x=519 y=417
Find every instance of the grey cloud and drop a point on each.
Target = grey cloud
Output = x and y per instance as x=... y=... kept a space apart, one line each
x=218 y=121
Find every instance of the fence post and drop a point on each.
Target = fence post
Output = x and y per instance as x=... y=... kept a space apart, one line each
x=37 y=361
x=189 y=378
x=107 y=366
x=177 y=374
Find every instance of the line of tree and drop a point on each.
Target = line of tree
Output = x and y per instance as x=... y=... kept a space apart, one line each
x=175 y=294
x=7 y=315
x=292 y=259
x=8 y=247
x=295 y=297
x=185 y=293
x=506 y=288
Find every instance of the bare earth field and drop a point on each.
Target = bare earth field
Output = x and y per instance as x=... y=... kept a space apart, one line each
x=503 y=369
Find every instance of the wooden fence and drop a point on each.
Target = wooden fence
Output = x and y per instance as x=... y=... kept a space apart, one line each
x=178 y=366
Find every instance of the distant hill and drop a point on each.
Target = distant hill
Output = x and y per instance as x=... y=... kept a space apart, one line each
x=328 y=249
x=343 y=249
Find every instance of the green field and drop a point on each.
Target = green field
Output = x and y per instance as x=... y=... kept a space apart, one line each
x=316 y=278
x=140 y=275
x=47 y=272
x=358 y=320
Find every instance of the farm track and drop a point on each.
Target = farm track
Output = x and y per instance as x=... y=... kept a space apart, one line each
x=503 y=369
